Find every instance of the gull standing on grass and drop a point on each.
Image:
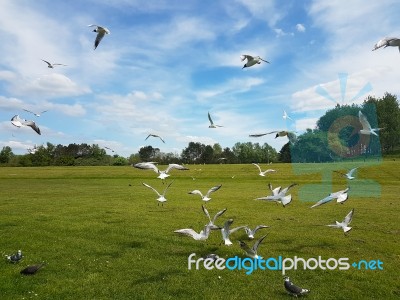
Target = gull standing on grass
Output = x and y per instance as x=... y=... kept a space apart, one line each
x=206 y=197
x=387 y=41
x=211 y=224
x=18 y=122
x=161 y=197
x=201 y=236
x=345 y=223
x=348 y=175
x=250 y=233
x=155 y=135
x=366 y=127
x=226 y=231
x=279 y=195
x=252 y=252
x=16 y=257
x=162 y=174
x=101 y=32
x=212 y=125
x=251 y=60
x=262 y=173
x=341 y=197
x=292 y=289
x=51 y=66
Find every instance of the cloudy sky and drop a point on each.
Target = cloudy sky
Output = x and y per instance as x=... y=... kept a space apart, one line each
x=167 y=63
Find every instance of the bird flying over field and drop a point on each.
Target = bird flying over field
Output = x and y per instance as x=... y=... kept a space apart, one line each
x=340 y=196
x=348 y=175
x=252 y=252
x=206 y=197
x=101 y=32
x=227 y=230
x=155 y=135
x=279 y=195
x=366 y=127
x=211 y=224
x=250 y=233
x=18 y=122
x=345 y=223
x=161 y=174
x=262 y=173
x=161 y=197
x=251 y=60
x=290 y=134
x=51 y=66
x=201 y=236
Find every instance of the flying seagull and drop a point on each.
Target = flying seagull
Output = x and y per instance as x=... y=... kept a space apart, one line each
x=162 y=174
x=252 y=252
x=366 y=127
x=340 y=196
x=161 y=197
x=155 y=135
x=294 y=290
x=290 y=134
x=51 y=66
x=251 y=60
x=18 y=122
x=348 y=175
x=16 y=257
x=262 y=173
x=286 y=116
x=30 y=270
x=345 y=223
x=206 y=197
x=250 y=233
x=211 y=224
x=109 y=149
x=36 y=114
x=279 y=195
x=201 y=236
x=212 y=125
x=226 y=231
x=387 y=41
x=101 y=32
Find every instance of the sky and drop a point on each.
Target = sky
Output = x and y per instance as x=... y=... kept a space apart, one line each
x=166 y=64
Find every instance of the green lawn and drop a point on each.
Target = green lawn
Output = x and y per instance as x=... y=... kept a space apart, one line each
x=103 y=236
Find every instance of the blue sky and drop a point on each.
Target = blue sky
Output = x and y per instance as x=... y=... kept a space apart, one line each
x=167 y=63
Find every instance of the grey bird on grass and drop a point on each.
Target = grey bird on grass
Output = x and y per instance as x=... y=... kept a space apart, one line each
x=30 y=270
x=292 y=289
x=16 y=257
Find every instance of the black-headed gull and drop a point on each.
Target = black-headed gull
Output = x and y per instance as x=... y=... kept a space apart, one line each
x=345 y=223
x=294 y=290
x=341 y=197
x=201 y=236
x=348 y=175
x=18 y=122
x=251 y=60
x=51 y=66
x=212 y=222
x=101 y=32
x=161 y=174
x=279 y=195
x=387 y=41
x=227 y=230
x=36 y=114
x=262 y=173
x=250 y=233
x=290 y=134
x=206 y=197
x=212 y=125
x=30 y=270
x=252 y=252
x=286 y=116
x=366 y=127
x=155 y=135
x=161 y=197
x=109 y=149
x=16 y=257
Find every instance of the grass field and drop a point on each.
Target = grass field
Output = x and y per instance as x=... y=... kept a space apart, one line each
x=103 y=236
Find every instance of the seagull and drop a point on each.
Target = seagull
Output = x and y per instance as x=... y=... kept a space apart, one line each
x=252 y=252
x=345 y=223
x=387 y=41
x=212 y=125
x=206 y=197
x=279 y=195
x=250 y=233
x=162 y=174
x=18 y=122
x=251 y=60
x=16 y=257
x=36 y=114
x=30 y=270
x=262 y=173
x=201 y=236
x=211 y=224
x=286 y=116
x=101 y=31
x=226 y=231
x=341 y=197
x=155 y=135
x=51 y=66
x=348 y=175
x=290 y=134
x=161 y=197
x=109 y=149
x=294 y=289
x=366 y=127
x=33 y=149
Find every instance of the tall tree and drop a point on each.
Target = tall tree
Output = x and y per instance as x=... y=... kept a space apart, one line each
x=6 y=154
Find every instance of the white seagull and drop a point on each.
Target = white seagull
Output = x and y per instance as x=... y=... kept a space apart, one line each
x=387 y=41
x=101 y=32
x=345 y=223
x=279 y=195
x=51 y=66
x=294 y=290
x=161 y=174
x=262 y=173
x=18 y=122
x=155 y=135
x=250 y=233
x=206 y=197
x=340 y=196
x=161 y=197
x=252 y=252
x=36 y=114
x=226 y=231
x=16 y=257
x=201 y=236
x=366 y=127
x=211 y=224
x=286 y=116
x=290 y=134
x=251 y=60
x=348 y=175
x=212 y=125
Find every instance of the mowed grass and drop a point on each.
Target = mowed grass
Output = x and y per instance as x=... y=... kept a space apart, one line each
x=103 y=236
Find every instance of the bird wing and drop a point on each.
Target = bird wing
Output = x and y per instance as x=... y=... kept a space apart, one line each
x=244 y=56
x=264 y=60
x=290 y=287
x=349 y=217
x=232 y=230
x=147 y=165
x=147 y=137
x=175 y=166
x=342 y=197
x=382 y=42
x=258 y=166
x=165 y=190
x=161 y=139
x=209 y=118
x=99 y=37
x=323 y=201
x=213 y=189
x=196 y=192
x=258 y=227
x=46 y=63
x=187 y=231
x=206 y=212
x=257 y=243
x=28 y=111
x=218 y=214
x=261 y=134
x=33 y=125
x=286 y=200
x=145 y=184
x=364 y=121
x=245 y=247
x=352 y=171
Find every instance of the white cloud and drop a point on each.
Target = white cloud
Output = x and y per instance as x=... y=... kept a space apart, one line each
x=280 y=32
x=300 y=27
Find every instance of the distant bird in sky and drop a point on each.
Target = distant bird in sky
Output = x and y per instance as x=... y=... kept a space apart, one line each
x=161 y=197
x=36 y=114
x=155 y=135
x=109 y=149
x=366 y=127
x=101 y=32
x=161 y=174
x=294 y=290
x=201 y=236
x=251 y=60
x=18 y=122
x=30 y=270
x=340 y=196
x=286 y=116
x=212 y=222
x=387 y=41
x=212 y=125
x=279 y=195
x=50 y=65
x=250 y=233
x=227 y=230
x=262 y=173
x=290 y=134
x=16 y=257
x=252 y=252
x=206 y=197
x=348 y=175
x=345 y=223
